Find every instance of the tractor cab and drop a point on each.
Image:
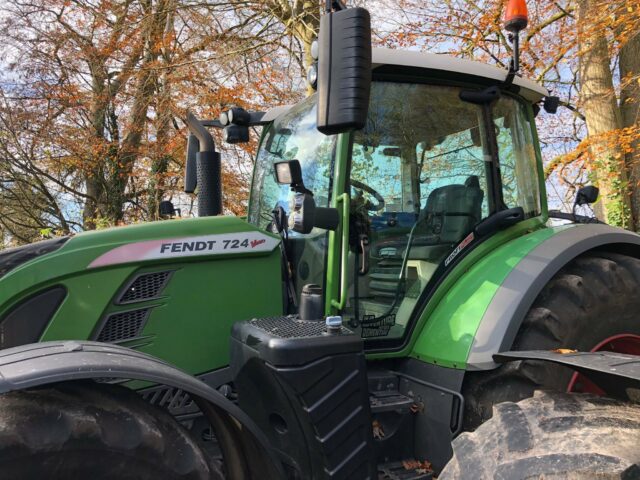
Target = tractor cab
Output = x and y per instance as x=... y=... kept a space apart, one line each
x=431 y=164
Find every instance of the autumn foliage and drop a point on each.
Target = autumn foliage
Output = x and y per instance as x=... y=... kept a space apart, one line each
x=584 y=51
x=93 y=94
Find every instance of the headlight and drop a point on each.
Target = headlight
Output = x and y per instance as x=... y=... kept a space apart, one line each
x=312 y=75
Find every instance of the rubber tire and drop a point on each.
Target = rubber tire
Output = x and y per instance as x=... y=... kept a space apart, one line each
x=552 y=436
x=93 y=430
x=592 y=298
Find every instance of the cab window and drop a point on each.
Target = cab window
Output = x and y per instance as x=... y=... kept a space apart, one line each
x=420 y=180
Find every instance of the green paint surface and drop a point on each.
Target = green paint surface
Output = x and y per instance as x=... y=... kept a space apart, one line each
x=451 y=323
x=343 y=153
x=445 y=328
x=189 y=324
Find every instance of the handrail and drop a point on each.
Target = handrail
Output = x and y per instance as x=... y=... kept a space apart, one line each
x=344 y=257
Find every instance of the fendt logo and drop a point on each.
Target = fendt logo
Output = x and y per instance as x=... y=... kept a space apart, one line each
x=461 y=246
x=216 y=244
x=187 y=246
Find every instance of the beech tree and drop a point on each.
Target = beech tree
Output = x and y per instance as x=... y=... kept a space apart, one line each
x=120 y=75
x=573 y=47
x=93 y=94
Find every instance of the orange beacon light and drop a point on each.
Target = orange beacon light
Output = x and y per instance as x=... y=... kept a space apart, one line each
x=515 y=16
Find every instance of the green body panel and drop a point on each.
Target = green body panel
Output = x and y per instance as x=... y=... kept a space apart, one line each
x=189 y=323
x=448 y=325
x=445 y=328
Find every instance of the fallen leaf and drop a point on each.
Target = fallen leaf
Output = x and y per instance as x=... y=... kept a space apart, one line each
x=563 y=351
x=378 y=432
x=417 y=465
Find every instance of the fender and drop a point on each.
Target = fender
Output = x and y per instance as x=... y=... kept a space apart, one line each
x=513 y=299
x=613 y=372
x=45 y=363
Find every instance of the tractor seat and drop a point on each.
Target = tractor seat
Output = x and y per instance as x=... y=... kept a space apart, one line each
x=450 y=213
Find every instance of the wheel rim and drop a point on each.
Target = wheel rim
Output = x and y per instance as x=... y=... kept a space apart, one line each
x=621 y=343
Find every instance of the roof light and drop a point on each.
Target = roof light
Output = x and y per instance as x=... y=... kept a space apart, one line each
x=515 y=16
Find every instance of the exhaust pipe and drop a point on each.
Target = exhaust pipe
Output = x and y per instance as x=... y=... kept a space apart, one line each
x=207 y=165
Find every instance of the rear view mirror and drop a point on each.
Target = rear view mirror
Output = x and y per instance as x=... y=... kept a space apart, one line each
x=167 y=210
x=586 y=195
x=344 y=70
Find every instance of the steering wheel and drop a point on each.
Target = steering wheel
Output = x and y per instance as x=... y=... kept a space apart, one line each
x=370 y=206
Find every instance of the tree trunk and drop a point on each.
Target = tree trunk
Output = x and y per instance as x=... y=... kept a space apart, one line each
x=93 y=177
x=302 y=20
x=143 y=96
x=599 y=105
x=164 y=115
x=629 y=64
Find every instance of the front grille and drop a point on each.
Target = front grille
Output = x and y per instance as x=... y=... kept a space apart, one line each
x=144 y=287
x=123 y=325
x=284 y=327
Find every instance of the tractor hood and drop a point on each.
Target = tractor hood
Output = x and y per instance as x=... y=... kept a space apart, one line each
x=184 y=240
x=14 y=257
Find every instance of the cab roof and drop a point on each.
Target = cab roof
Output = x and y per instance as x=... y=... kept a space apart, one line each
x=405 y=58
x=444 y=63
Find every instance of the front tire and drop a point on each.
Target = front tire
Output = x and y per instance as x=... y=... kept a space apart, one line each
x=552 y=436
x=93 y=430
x=594 y=297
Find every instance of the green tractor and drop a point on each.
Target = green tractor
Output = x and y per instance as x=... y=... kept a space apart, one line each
x=395 y=305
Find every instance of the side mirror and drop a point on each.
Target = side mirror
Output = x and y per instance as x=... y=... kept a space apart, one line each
x=586 y=195
x=167 y=210
x=551 y=104
x=344 y=70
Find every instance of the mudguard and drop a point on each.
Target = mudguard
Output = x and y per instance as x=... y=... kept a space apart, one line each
x=50 y=362
x=513 y=299
x=613 y=372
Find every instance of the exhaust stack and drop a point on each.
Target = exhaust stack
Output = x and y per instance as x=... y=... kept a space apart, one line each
x=205 y=161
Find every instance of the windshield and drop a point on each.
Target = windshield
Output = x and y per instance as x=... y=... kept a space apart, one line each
x=295 y=136
x=292 y=136
x=422 y=176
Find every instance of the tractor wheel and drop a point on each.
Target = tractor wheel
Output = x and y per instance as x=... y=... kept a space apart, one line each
x=591 y=304
x=552 y=436
x=93 y=430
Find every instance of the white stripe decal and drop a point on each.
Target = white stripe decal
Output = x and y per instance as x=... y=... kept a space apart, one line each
x=221 y=244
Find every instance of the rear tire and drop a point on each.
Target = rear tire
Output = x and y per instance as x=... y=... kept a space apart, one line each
x=93 y=430
x=592 y=298
x=551 y=436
